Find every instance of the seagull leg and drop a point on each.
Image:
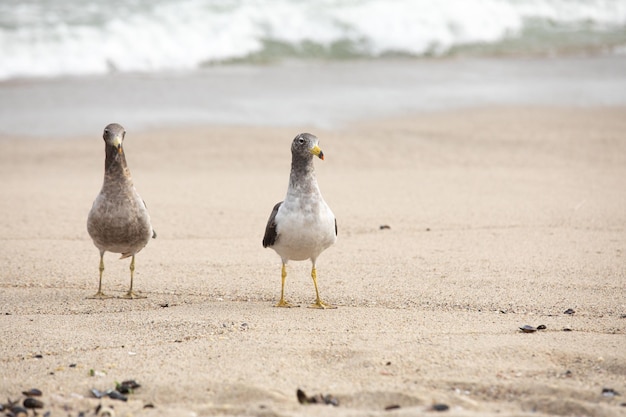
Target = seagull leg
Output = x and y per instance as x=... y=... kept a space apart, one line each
x=318 y=302
x=131 y=294
x=100 y=295
x=282 y=302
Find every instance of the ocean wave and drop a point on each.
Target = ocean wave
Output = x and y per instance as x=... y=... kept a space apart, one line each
x=77 y=37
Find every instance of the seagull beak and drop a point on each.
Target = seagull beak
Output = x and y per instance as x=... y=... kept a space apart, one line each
x=317 y=152
x=117 y=144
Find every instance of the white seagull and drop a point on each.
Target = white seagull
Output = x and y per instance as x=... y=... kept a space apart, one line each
x=302 y=226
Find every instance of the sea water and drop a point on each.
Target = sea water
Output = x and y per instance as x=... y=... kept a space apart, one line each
x=47 y=38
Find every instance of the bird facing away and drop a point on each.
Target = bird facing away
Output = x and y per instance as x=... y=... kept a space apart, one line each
x=118 y=221
x=302 y=226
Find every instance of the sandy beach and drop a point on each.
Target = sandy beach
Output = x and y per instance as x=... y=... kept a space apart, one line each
x=498 y=217
x=475 y=159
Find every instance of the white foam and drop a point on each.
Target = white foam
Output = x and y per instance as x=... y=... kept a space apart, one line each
x=424 y=26
x=66 y=37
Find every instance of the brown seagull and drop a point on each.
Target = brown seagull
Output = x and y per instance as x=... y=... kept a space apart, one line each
x=302 y=226
x=118 y=221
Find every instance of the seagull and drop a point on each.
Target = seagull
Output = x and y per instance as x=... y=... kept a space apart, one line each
x=302 y=226
x=118 y=221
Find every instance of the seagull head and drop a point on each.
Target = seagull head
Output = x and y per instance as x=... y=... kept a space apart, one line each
x=305 y=145
x=114 y=136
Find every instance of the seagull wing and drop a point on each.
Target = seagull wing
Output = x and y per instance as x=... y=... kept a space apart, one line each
x=154 y=231
x=270 y=230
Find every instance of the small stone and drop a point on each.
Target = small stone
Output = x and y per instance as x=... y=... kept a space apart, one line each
x=528 y=329
x=327 y=399
x=18 y=411
x=384 y=227
x=440 y=407
x=609 y=392
x=128 y=386
x=392 y=407
x=32 y=403
x=541 y=327
x=569 y=311
x=116 y=395
x=330 y=400
x=97 y=393
x=33 y=392
x=302 y=398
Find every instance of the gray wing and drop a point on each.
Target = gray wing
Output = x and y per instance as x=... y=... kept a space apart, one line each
x=154 y=231
x=270 y=230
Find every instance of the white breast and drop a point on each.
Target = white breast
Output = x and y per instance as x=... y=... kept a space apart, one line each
x=305 y=227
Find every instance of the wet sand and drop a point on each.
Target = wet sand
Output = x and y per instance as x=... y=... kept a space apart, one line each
x=498 y=217
x=310 y=93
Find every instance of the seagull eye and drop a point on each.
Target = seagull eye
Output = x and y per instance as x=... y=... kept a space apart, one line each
x=301 y=141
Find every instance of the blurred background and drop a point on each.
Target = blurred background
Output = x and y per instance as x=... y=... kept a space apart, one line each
x=78 y=37
x=214 y=60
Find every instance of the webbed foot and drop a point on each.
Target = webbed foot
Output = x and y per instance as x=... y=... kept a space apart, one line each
x=131 y=295
x=322 y=305
x=99 y=296
x=286 y=304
